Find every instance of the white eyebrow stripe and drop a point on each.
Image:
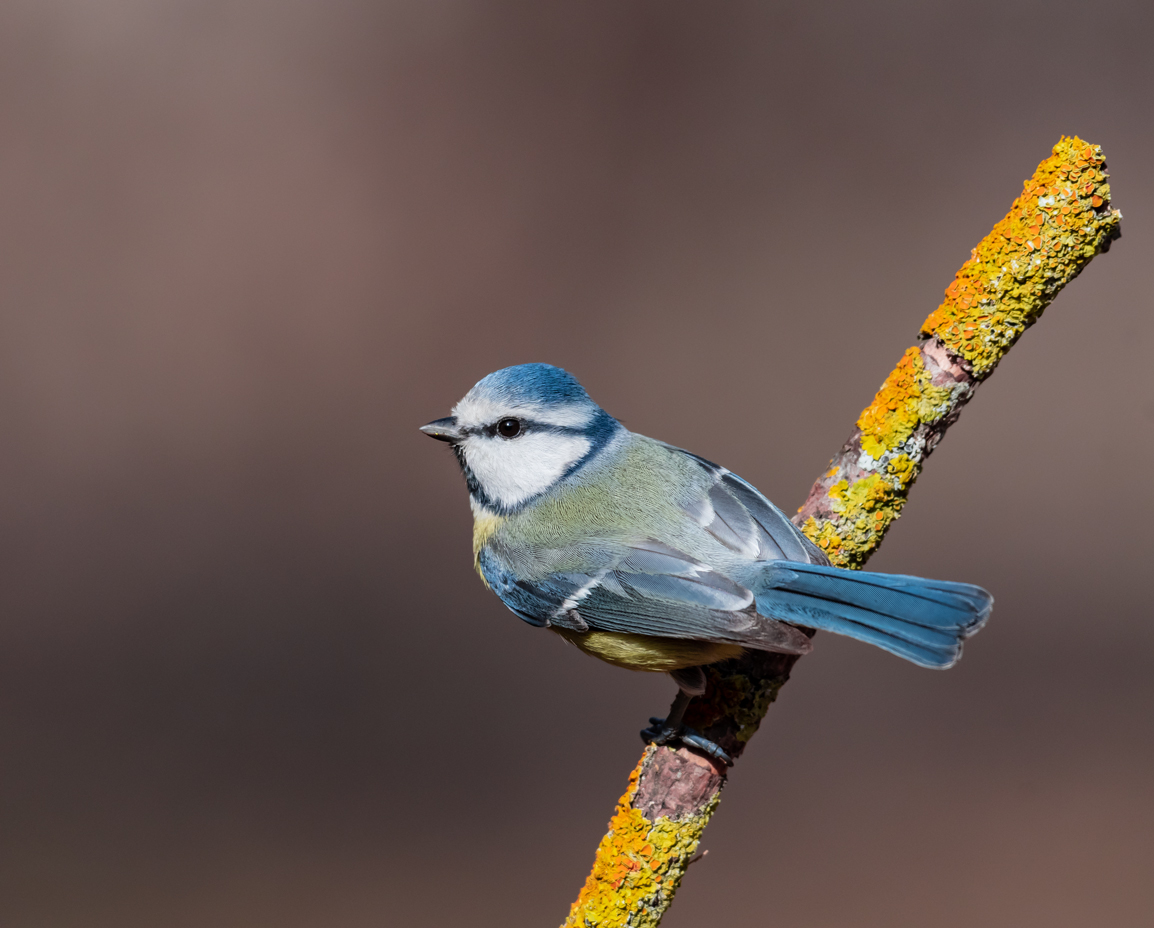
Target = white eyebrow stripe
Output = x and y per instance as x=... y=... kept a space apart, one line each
x=566 y=417
x=476 y=411
x=473 y=411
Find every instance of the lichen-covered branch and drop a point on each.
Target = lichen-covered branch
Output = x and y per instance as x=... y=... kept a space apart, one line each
x=1062 y=219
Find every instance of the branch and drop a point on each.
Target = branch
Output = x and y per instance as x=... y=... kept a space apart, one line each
x=1062 y=219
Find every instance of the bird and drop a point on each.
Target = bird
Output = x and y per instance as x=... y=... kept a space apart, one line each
x=654 y=559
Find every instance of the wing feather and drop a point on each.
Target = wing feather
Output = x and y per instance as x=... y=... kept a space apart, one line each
x=740 y=517
x=657 y=590
x=653 y=590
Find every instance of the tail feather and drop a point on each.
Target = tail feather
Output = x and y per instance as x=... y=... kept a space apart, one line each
x=921 y=620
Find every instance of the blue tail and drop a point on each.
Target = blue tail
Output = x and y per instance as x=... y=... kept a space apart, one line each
x=923 y=621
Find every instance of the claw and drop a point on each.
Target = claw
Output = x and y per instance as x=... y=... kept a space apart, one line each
x=659 y=733
x=693 y=739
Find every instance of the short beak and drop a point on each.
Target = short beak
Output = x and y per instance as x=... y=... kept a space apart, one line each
x=443 y=429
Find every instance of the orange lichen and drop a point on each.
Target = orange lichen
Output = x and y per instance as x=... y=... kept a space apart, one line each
x=639 y=864
x=892 y=441
x=906 y=399
x=1061 y=220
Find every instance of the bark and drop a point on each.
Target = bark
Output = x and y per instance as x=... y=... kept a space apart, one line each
x=1062 y=219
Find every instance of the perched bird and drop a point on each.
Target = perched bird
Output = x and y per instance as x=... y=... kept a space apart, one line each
x=652 y=558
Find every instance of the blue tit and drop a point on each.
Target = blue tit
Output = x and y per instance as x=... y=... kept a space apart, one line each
x=655 y=559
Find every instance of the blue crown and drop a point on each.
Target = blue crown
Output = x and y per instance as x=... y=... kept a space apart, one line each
x=543 y=384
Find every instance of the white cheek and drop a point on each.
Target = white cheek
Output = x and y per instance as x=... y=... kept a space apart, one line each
x=511 y=471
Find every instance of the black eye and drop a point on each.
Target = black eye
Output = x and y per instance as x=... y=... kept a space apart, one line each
x=509 y=428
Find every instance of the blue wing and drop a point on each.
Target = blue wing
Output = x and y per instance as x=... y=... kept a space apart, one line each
x=743 y=520
x=652 y=590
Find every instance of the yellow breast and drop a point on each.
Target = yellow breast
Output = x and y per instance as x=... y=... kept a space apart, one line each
x=649 y=652
x=485 y=524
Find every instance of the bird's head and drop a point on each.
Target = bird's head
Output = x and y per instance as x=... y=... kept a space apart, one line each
x=520 y=431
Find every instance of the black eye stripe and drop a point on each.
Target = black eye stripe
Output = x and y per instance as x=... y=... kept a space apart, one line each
x=492 y=430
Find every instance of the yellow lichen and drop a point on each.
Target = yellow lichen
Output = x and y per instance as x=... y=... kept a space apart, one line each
x=906 y=399
x=638 y=866
x=904 y=468
x=1061 y=220
x=862 y=512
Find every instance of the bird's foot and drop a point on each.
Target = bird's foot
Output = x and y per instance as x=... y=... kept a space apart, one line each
x=660 y=733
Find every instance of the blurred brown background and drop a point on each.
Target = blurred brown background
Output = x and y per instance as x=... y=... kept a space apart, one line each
x=247 y=676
